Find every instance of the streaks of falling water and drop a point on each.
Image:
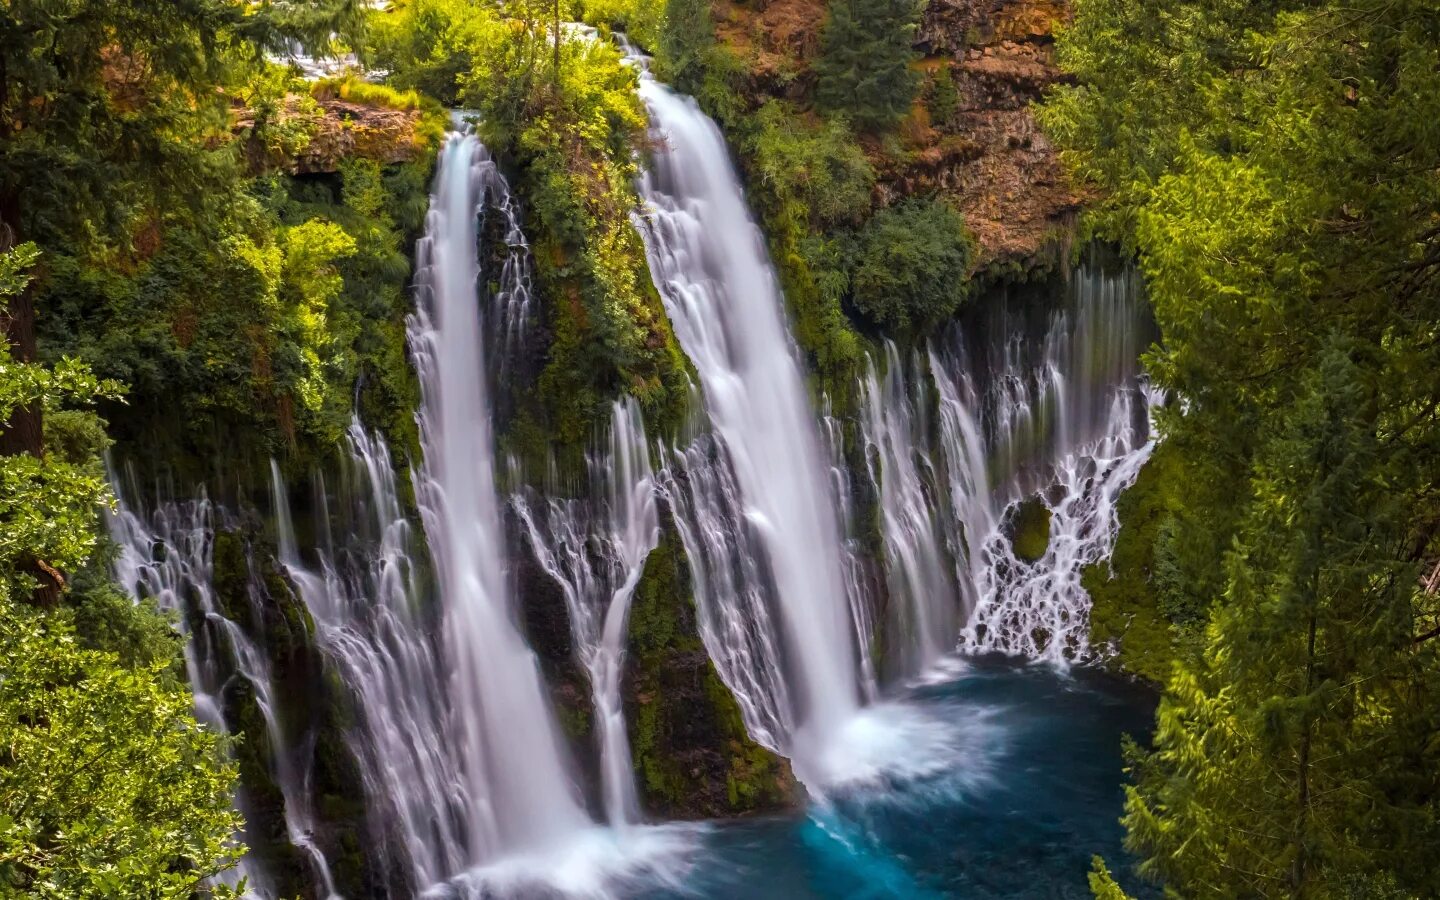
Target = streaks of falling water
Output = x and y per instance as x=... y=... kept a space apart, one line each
x=519 y=796
x=169 y=559
x=733 y=595
x=1067 y=423
x=709 y=264
x=372 y=624
x=595 y=549
x=923 y=590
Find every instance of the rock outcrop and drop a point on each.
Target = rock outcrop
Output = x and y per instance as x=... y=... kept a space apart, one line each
x=328 y=132
x=1010 y=185
x=983 y=149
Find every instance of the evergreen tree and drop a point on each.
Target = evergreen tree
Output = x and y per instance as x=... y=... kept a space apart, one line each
x=686 y=44
x=1274 y=167
x=864 y=65
x=1291 y=756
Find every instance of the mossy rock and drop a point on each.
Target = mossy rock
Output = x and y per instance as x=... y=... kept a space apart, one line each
x=1030 y=530
x=1126 y=611
x=692 y=755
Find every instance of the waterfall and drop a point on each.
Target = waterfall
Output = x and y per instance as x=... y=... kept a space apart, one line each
x=595 y=550
x=733 y=598
x=1072 y=425
x=518 y=792
x=169 y=560
x=373 y=626
x=1057 y=412
x=923 y=589
x=709 y=264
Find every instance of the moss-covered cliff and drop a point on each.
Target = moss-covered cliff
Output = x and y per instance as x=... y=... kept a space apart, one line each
x=693 y=758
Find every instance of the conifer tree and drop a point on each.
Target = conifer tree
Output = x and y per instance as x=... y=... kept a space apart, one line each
x=1274 y=166
x=864 y=65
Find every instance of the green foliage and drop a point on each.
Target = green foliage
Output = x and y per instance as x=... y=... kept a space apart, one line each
x=1273 y=164
x=1102 y=883
x=427 y=45
x=1031 y=526
x=865 y=55
x=46 y=503
x=687 y=50
x=109 y=788
x=315 y=276
x=913 y=262
x=815 y=170
x=108 y=105
x=569 y=119
x=1285 y=759
x=641 y=20
x=943 y=99
x=1130 y=594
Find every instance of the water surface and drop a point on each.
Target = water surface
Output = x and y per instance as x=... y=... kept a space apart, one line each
x=1033 y=790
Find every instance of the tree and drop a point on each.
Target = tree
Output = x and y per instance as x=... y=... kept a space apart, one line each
x=1273 y=167
x=864 y=64
x=687 y=44
x=912 y=266
x=1291 y=756
x=46 y=505
x=105 y=108
x=108 y=787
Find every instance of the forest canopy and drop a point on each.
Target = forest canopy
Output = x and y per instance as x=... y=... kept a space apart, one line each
x=1273 y=166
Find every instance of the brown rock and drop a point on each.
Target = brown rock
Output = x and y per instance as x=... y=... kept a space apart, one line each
x=341 y=129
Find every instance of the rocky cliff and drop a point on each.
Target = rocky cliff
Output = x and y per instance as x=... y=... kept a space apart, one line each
x=1008 y=182
x=306 y=136
x=974 y=140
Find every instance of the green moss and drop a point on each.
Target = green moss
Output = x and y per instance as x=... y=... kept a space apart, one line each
x=1031 y=529
x=1126 y=598
x=692 y=755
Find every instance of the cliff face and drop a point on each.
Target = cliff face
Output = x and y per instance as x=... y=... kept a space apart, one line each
x=980 y=145
x=1009 y=183
x=325 y=132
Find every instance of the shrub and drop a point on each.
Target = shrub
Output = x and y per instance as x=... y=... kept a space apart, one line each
x=913 y=263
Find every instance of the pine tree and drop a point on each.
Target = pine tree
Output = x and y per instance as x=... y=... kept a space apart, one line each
x=1280 y=750
x=864 y=65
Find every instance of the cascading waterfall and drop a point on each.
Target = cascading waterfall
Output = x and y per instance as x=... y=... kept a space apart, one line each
x=1068 y=424
x=373 y=626
x=595 y=550
x=733 y=597
x=707 y=257
x=920 y=576
x=169 y=559
x=518 y=793
x=856 y=587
